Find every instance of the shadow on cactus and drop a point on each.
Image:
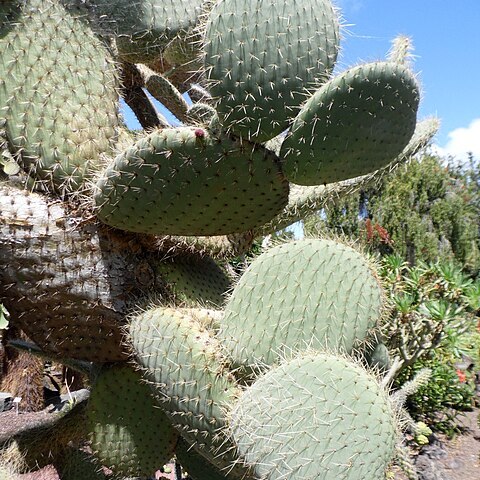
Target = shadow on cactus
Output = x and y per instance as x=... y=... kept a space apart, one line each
x=97 y=222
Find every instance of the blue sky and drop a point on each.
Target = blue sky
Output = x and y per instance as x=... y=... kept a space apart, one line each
x=446 y=36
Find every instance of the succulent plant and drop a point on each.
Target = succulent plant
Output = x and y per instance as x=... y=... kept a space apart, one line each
x=310 y=294
x=126 y=431
x=113 y=244
x=316 y=416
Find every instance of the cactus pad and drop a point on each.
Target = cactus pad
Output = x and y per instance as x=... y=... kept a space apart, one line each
x=197 y=467
x=57 y=93
x=304 y=294
x=262 y=56
x=195 y=280
x=128 y=434
x=79 y=465
x=182 y=362
x=143 y=28
x=353 y=125
x=187 y=181
x=318 y=417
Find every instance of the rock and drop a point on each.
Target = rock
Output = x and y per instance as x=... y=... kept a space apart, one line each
x=428 y=470
x=433 y=451
x=6 y=401
x=455 y=465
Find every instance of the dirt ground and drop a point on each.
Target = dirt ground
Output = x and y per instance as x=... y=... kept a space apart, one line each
x=443 y=459
x=455 y=459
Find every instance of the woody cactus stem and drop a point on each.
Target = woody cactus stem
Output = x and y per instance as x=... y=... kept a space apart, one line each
x=108 y=237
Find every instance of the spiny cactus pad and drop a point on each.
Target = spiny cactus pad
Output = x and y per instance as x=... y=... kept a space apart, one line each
x=261 y=56
x=79 y=465
x=57 y=93
x=377 y=356
x=143 y=28
x=128 y=433
x=188 y=181
x=182 y=363
x=317 y=417
x=353 y=125
x=305 y=294
x=195 y=280
x=197 y=467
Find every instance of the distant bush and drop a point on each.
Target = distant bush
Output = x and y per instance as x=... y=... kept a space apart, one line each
x=433 y=324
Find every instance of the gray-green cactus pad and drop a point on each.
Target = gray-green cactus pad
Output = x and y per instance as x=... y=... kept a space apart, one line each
x=262 y=56
x=304 y=294
x=319 y=417
x=197 y=466
x=183 y=365
x=129 y=434
x=377 y=356
x=187 y=181
x=144 y=27
x=353 y=125
x=195 y=280
x=58 y=93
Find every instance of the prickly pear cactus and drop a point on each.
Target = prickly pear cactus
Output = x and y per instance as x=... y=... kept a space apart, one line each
x=126 y=430
x=317 y=416
x=57 y=105
x=262 y=57
x=313 y=293
x=113 y=243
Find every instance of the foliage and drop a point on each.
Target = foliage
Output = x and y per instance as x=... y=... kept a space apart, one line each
x=425 y=211
x=447 y=394
x=432 y=324
x=431 y=306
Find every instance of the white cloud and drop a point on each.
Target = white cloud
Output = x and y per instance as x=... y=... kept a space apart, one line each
x=461 y=142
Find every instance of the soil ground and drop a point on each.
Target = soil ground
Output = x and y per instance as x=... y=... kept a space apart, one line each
x=451 y=459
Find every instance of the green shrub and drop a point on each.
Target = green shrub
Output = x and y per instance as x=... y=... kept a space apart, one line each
x=445 y=396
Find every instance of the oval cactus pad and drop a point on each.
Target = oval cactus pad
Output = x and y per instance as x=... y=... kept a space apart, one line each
x=187 y=181
x=305 y=294
x=58 y=94
x=317 y=417
x=353 y=125
x=262 y=56
x=128 y=433
x=144 y=27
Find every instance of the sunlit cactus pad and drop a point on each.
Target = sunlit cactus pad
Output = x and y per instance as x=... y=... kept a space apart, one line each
x=319 y=417
x=353 y=125
x=143 y=28
x=129 y=434
x=183 y=365
x=309 y=293
x=188 y=181
x=261 y=56
x=58 y=93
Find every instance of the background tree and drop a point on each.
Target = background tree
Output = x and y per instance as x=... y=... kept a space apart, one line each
x=427 y=210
